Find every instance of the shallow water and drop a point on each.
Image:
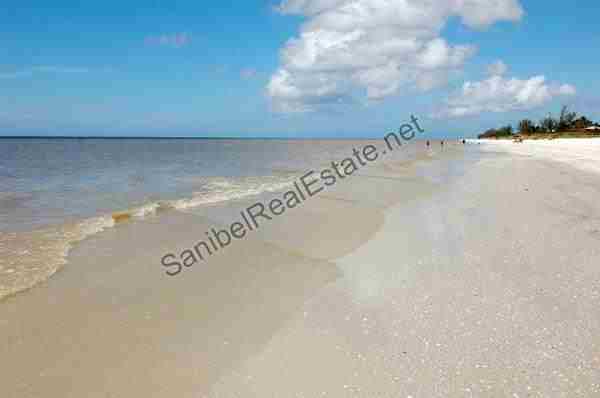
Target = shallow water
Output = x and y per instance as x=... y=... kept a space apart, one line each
x=184 y=333
x=57 y=192
x=49 y=182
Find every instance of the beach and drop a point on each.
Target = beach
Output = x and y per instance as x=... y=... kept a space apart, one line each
x=467 y=271
x=581 y=153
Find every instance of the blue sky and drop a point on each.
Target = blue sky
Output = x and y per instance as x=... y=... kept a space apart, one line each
x=215 y=69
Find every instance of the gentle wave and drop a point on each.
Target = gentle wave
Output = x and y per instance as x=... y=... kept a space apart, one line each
x=29 y=258
x=230 y=190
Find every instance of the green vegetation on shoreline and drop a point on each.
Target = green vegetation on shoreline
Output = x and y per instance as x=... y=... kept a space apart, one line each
x=567 y=125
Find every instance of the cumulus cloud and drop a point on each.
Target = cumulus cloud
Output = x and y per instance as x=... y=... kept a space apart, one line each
x=374 y=48
x=176 y=40
x=499 y=94
x=498 y=68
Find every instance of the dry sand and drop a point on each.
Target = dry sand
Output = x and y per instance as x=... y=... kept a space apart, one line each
x=581 y=153
x=481 y=280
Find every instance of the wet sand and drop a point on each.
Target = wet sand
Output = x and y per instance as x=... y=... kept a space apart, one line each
x=466 y=274
x=493 y=292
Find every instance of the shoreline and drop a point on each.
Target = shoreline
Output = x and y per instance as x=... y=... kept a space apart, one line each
x=118 y=271
x=389 y=278
x=50 y=245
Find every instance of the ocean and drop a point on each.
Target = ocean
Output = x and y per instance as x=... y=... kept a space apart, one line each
x=57 y=192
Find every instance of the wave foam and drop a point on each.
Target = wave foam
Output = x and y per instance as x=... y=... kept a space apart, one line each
x=30 y=258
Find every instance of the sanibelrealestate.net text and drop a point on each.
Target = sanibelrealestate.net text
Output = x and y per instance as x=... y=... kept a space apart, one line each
x=309 y=185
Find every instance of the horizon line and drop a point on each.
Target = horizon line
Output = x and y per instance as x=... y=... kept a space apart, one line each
x=187 y=137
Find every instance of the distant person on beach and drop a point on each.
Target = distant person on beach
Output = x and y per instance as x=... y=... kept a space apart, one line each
x=442 y=143
x=428 y=143
x=464 y=142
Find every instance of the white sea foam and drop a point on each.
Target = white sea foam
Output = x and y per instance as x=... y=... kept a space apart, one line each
x=231 y=190
x=29 y=258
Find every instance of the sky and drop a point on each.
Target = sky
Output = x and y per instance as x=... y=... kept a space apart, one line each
x=293 y=68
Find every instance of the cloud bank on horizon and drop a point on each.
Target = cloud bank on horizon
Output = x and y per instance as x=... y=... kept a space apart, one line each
x=368 y=50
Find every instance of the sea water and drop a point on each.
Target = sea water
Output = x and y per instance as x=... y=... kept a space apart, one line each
x=56 y=192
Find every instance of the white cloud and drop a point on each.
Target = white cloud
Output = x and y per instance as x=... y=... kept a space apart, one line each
x=499 y=94
x=375 y=47
x=498 y=68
